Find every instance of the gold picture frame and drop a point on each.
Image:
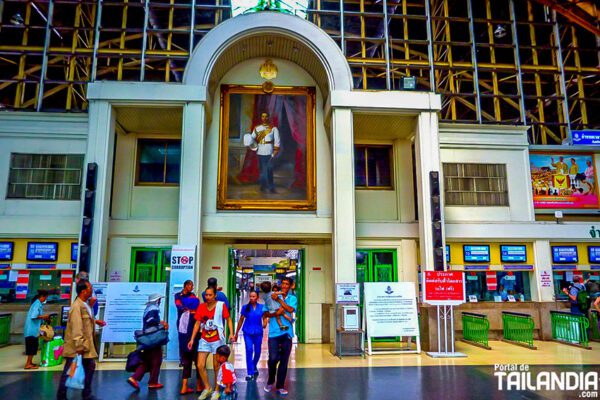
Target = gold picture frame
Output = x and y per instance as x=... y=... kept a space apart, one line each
x=279 y=173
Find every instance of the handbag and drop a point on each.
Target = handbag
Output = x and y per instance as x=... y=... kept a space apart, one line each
x=46 y=332
x=134 y=359
x=76 y=375
x=151 y=337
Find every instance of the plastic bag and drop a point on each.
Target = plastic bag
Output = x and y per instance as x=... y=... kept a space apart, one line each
x=76 y=376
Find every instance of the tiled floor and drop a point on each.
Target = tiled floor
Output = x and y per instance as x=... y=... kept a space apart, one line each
x=316 y=374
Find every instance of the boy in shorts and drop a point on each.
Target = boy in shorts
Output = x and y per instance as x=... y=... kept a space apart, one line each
x=272 y=305
x=226 y=378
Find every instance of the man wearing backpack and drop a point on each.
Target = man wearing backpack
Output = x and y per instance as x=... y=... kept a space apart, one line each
x=578 y=297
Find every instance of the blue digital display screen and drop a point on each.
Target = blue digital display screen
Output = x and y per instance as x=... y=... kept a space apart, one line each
x=37 y=251
x=594 y=254
x=564 y=254
x=447 y=253
x=513 y=253
x=6 y=251
x=479 y=253
x=74 y=250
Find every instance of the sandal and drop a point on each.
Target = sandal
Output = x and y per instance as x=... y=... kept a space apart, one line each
x=32 y=366
x=187 y=391
x=133 y=383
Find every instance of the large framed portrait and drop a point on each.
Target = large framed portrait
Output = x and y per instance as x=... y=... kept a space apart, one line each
x=267 y=149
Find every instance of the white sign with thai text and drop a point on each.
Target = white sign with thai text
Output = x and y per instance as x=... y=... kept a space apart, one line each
x=391 y=309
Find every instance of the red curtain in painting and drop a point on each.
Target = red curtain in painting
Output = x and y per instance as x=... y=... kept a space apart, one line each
x=295 y=108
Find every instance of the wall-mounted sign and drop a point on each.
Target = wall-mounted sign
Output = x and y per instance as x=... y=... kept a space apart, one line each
x=513 y=253
x=476 y=253
x=562 y=181
x=545 y=279
x=347 y=293
x=564 y=254
x=586 y=138
x=42 y=251
x=6 y=251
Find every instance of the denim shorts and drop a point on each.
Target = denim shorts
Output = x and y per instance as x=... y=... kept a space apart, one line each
x=209 y=347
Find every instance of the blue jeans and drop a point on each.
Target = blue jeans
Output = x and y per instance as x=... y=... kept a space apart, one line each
x=252 y=343
x=265 y=167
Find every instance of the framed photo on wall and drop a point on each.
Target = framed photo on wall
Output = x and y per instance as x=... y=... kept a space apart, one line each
x=267 y=149
x=564 y=181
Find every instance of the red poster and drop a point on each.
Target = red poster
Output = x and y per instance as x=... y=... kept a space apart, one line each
x=444 y=287
x=491 y=280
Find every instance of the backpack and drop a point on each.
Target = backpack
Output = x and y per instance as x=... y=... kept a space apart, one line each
x=583 y=299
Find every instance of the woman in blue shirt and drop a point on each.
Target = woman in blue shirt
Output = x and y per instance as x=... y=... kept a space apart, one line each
x=253 y=319
x=31 y=330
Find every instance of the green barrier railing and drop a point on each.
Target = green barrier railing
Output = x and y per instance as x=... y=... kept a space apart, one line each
x=517 y=328
x=570 y=328
x=5 y=328
x=594 y=328
x=476 y=328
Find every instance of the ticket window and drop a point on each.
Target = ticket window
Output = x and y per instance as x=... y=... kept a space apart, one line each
x=48 y=280
x=505 y=284
x=564 y=279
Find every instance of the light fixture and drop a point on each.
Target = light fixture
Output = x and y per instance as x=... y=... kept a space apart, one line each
x=500 y=31
x=409 y=83
x=17 y=19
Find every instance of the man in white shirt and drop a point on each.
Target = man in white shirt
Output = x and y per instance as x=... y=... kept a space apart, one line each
x=266 y=142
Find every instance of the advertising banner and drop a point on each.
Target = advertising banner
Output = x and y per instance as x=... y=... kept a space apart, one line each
x=183 y=264
x=443 y=287
x=125 y=304
x=563 y=181
x=391 y=309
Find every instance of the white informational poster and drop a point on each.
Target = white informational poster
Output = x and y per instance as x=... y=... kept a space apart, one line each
x=391 y=309
x=125 y=304
x=347 y=292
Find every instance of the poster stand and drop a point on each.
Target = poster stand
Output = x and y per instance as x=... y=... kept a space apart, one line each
x=445 y=312
x=444 y=289
x=407 y=291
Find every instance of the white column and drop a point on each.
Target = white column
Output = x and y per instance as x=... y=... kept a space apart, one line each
x=409 y=263
x=190 y=185
x=427 y=154
x=100 y=144
x=344 y=236
x=542 y=282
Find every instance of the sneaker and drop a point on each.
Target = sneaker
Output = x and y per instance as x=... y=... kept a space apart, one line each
x=204 y=395
x=215 y=396
x=255 y=374
x=282 y=392
x=268 y=388
x=249 y=378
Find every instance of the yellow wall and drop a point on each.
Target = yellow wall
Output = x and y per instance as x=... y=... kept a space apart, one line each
x=456 y=252
x=20 y=250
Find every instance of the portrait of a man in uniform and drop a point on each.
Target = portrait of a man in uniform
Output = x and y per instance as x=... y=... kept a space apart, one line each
x=267 y=149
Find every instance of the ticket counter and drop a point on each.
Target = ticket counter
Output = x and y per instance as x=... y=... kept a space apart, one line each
x=570 y=260
x=496 y=272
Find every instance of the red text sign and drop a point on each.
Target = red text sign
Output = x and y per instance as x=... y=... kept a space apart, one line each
x=444 y=287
